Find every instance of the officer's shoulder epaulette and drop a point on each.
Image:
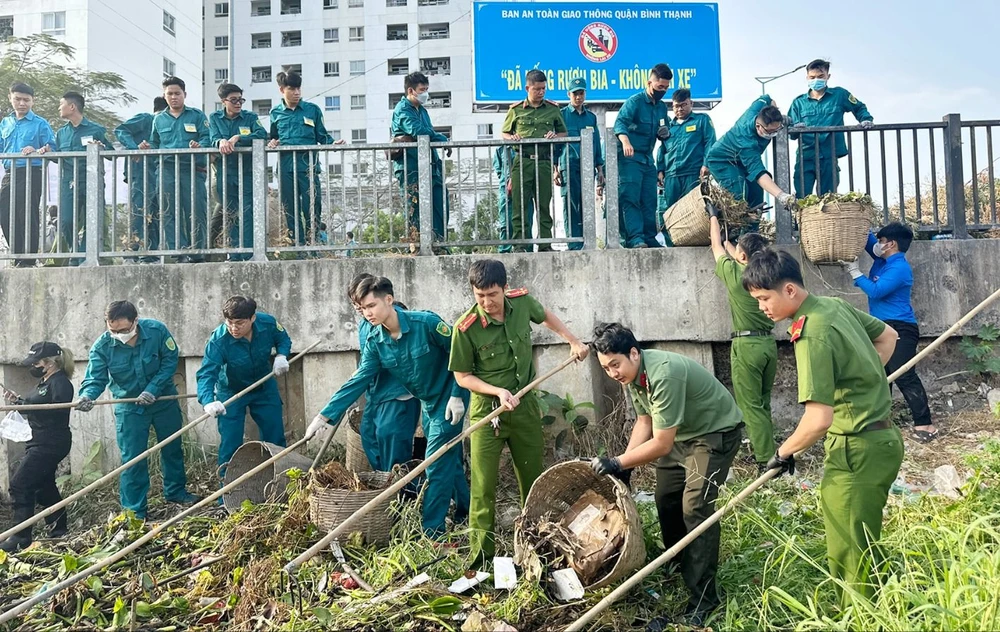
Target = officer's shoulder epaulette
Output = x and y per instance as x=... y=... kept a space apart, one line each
x=466 y=322
x=514 y=105
x=552 y=103
x=516 y=292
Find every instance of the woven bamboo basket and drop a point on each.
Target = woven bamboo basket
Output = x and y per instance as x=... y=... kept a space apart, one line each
x=329 y=507
x=687 y=220
x=833 y=231
x=356 y=459
x=557 y=489
x=267 y=485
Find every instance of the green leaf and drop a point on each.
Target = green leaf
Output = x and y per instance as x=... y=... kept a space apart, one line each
x=552 y=402
x=445 y=605
x=69 y=564
x=589 y=405
x=119 y=604
x=88 y=610
x=989 y=332
x=548 y=420
x=143 y=610
x=148 y=583
x=95 y=585
x=93 y=455
x=993 y=364
x=323 y=615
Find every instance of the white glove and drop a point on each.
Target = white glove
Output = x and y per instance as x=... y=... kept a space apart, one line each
x=787 y=200
x=215 y=409
x=455 y=411
x=799 y=126
x=867 y=124
x=852 y=268
x=315 y=425
x=280 y=365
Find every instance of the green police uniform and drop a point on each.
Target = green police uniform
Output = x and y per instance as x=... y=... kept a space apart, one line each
x=503 y=157
x=826 y=111
x=677 y=392
x=73 y=181
x=735 y=161
x=753 y=358
x=531 y=172
x=229 y=182
x=839 y=367
x=569 y=165
x=183 y=189
x=681 y=158
x=639 y=119
x=141 y=176
x=499 y=353
x=411 y=120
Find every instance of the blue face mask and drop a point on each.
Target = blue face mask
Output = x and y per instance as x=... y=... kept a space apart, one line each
x=816 y=84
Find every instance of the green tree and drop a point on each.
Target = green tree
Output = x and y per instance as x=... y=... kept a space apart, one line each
x=481 y=225
x=46 y=64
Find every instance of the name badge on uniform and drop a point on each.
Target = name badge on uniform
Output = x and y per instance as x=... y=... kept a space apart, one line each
x=309 y=122
x=190 y=127
x=86 y=140
x=244 y=131
x=690 y=128
x=662 y=122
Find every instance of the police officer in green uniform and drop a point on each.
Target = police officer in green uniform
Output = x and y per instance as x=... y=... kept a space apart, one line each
x=410 y=118
x=141 y=176
x=230 y=128
x=840 y=353
x=503 y=158
x=680 y=160
x=75 y=135
x=414 y=346
x=138 y=356
x=531 y=172
x=689 y=424
x=753 y=352
x=822 y=106
x=182 y=127
x=298 y=122
x=491 y=356
x=577 y=118
x=640 y=123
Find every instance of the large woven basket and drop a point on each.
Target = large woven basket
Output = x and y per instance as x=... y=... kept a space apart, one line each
x=269 y=484
x=558 y=488
x=687 y=220
x=833 y=231
x=329 y=507
x=356 y=459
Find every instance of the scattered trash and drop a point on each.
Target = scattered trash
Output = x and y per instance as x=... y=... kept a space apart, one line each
x=471 y=578
x=566 y=584
x=786 y=509
x=504 y=573
x=947 y=482
x=14 y=427
x=478 y=622
x=993 y=398
x=644 y=497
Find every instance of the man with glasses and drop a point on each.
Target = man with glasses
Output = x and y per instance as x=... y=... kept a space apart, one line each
x=680 y=160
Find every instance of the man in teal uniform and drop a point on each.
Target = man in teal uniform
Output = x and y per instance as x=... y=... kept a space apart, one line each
x=503 y=159
x=568 y=176
x=840 y=354
x=237 y=354
x=822 y=106
x=229 y=128
x=138 y=357
x=75 y=135
x=641 y=121
x=680 y=160
x=182 y=127
x=141 y=176
x=413 y=346
x=298 y=122
x=410 y=118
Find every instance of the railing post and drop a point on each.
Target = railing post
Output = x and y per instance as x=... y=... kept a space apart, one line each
x=612 y=238
x=260 y=200
x=783 y=178
x=425 y=196
x=95 y=189
x=588 y=199
x=954 y=178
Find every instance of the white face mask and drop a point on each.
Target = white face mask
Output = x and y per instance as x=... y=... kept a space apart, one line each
x=423 y=97
x=124 y=337
x=878 y=249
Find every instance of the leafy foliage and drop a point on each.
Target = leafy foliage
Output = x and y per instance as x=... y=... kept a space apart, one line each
x=981 y=353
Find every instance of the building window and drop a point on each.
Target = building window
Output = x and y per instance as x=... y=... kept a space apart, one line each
x=355 y=4
x=331 y=69
x=330 y=4
x=357 y=101
x=435 y=65
x=335 y=134
x=262 y=107
x=444 y=130
x=395 y=3
x=332 y=104
x=221 y=75
x=221 y=9
x=357 y=67
x=359 y=136
x=291 y=7
x=55 y=23
x=484 y=130
x=439 y=100
x=484 y=164
x=169 y=23
x=331 y=36
x=431 y=3
x=399 y=66
x=6 y=27
x=259 y=8
x=260 y=74
x=394 y=98
x=221 y=42
x=260 y=40
x=296 y=68
x=434 y=31
x=291 y=38
x=336 y=169
x=169 y=68
x=356 y=34
x=397 y=32
x=359 y=168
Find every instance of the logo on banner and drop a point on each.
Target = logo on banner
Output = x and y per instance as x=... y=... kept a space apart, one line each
x=598 y=42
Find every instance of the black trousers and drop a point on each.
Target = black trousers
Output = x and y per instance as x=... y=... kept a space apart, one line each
x=909 y=383
x=687 y=484
x=34 y=482
x=18 y=215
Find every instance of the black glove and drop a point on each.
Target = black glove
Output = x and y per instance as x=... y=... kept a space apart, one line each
x=713 y=211
x=663 y=132
x=625 y=476
x=606 y=465
x=783 y=464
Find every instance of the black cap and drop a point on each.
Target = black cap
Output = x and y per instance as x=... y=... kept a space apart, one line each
x=41 y=350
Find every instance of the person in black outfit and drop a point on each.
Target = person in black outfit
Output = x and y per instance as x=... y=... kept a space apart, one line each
x=35 y=479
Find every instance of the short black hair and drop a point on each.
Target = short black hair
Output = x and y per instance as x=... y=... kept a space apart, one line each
x=415 y=80
x=289 y=80
x=355 y=282
x=770 y=268
x=75 y=98
x=486 y=273
x=238 y=308
x=535 y=76
x=818 y=64
x=227 y=89
x=350 y=234
x=174 y=81
x=613 y=338
x=681 y=95
x=379 y=286
x=121 y=309
x=897 y=232
x=159 y=104
x=769 y=115
x=662 y=71
x=752 y=243
x=322 y=225
x=23 y=88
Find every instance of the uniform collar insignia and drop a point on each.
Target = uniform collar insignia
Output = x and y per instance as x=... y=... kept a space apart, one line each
x=795 y=331
x=643 y=380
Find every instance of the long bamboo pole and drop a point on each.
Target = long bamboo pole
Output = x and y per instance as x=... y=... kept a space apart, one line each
x=99 y=402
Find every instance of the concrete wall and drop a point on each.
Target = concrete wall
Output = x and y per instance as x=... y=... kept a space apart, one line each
x=669 y=297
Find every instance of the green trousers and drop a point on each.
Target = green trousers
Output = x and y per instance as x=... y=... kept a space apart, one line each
x=521 y=431
x=858 y=471
x=753 y=362
x=531 y=179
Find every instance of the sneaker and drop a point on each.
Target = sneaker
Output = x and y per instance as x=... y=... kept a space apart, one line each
x=186 y=498
x=15 y=543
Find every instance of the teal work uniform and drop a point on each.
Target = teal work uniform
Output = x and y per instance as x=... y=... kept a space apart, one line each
x=753 y=359
x=499 y=353
x=827 y=110
x=677 y=392
x=143 y=183
x=531 y=171
x=298 y=182
x=682 y=156
x=229 y=183
x=73 y=182
x=735 y=160
x=569 y=165
x=130 y=370
x=640 y=118
x=503 y=159
x=177 y=176
x=414 y=120
x=229 y=366
x=419 y=360
x=838 y=366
